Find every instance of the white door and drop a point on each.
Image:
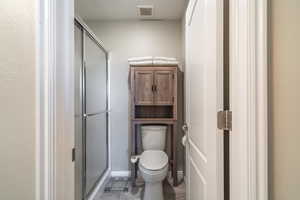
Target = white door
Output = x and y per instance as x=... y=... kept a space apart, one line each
x=204 y=98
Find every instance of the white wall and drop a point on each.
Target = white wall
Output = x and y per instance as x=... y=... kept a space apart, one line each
x=129 y=39
x=284 y=100
x=17 y=99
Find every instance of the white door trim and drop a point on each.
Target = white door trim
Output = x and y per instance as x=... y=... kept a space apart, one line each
x=45 y=102
x=55 y=102
x=248 y=95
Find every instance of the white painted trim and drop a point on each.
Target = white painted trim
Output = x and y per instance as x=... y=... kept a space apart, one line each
x=120 y=174
x=55 y=110
x=45 y=94
x=262 y=100
x=64 y=121
x=248 y=94
x=126 y=173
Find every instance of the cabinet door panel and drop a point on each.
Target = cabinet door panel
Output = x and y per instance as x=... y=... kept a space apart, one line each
x=164 y=87
x=143 y=88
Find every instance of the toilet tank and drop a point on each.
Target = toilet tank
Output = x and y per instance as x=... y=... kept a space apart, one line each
x=154 y=137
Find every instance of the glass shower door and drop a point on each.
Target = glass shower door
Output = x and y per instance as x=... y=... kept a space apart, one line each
x=95 y=112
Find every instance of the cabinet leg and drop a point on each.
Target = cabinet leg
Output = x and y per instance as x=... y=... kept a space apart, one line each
x=133 y=152
x=175 y=176
x=173 y=149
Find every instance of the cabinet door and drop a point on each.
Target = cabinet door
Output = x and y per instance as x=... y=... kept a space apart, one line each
x=144 y=87
x=164 y=84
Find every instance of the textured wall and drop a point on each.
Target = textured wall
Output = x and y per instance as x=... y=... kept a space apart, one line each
x=285 y=98
x=128 y=39
x=17 y=99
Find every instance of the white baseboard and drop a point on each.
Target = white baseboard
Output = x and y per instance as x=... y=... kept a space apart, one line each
x=101 y=185
x=120 y=173
x=128 y=173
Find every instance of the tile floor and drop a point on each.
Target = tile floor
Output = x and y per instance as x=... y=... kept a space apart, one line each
x=117 y=191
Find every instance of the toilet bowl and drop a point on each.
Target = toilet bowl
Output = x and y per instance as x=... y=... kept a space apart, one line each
x=153 y=167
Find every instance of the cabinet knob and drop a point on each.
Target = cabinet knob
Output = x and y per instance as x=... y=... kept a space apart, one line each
x=154 y=88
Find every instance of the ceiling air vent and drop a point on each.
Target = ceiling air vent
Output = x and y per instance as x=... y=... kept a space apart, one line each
x=145 y=10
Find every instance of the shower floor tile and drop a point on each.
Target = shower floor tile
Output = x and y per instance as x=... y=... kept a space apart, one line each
x=117 y=184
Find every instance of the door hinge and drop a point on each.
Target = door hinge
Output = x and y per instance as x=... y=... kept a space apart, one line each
x=225 y=120
x=73 y=154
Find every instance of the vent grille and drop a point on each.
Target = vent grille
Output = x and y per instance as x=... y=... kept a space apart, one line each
x=145 y=11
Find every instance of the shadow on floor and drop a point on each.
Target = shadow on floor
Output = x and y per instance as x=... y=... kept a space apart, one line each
x=169 y=192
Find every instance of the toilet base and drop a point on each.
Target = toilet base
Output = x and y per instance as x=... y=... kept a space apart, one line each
x=153 y=191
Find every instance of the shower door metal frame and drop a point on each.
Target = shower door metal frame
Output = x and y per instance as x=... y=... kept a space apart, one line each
x=87 y=32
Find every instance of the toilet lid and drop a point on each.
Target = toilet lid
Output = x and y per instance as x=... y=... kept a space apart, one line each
x=153 y=159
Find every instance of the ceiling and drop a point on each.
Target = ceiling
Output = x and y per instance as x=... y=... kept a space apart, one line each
x=127 y=10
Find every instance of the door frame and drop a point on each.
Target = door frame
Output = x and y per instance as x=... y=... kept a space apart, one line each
x=55 y=171
x=249 y=99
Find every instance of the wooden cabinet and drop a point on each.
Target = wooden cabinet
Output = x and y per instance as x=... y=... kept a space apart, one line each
x=143 y=87
x=163 y=87
x=153 y=87
x=156 y=98
x=154 y=92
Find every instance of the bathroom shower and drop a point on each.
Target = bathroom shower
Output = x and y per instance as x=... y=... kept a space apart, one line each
x=91 y=110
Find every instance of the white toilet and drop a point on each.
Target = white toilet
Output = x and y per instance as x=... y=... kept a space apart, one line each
x=153 y=163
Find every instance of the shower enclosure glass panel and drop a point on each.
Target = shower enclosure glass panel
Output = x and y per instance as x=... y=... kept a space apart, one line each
x=96 y=157
x=91 y=111
x=95 y=76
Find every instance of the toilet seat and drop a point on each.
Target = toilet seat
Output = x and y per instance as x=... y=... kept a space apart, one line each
x=153 y=160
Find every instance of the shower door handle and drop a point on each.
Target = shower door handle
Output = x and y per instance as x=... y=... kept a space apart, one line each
x=86 y=115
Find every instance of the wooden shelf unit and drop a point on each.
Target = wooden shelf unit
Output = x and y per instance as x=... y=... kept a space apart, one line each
x=156 y=98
